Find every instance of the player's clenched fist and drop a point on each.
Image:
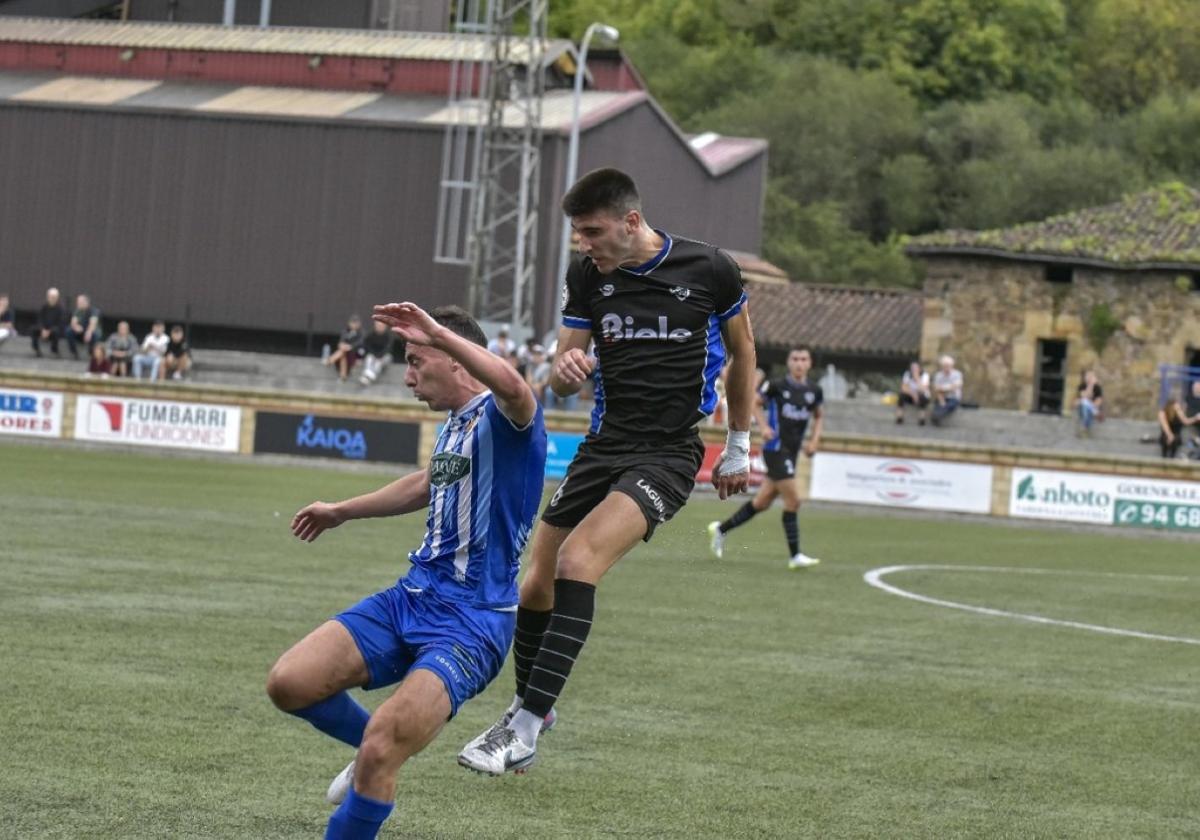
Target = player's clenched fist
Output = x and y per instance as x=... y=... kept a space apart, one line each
x=573 y=366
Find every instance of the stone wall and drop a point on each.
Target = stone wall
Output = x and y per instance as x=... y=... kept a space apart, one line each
x=990 y=313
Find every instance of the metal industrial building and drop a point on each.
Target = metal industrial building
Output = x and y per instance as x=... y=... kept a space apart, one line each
x=272 y=181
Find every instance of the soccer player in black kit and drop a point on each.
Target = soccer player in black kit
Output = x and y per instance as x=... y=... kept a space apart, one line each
x=664 y=313
x=787 y=406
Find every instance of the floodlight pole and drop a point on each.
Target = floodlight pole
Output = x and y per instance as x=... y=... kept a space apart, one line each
x=564 y=246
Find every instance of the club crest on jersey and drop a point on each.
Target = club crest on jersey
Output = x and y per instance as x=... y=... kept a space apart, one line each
x=809 y=397
x=607 y=289
x=445 y=468
x=615 y=328
x=681 y=292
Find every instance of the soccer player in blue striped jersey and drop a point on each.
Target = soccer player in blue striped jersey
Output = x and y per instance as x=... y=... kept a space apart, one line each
x=444 y=629
x=663 y=312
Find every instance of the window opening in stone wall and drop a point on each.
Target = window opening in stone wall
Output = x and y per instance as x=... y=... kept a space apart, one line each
x=1060 y=274
x=1051 y=376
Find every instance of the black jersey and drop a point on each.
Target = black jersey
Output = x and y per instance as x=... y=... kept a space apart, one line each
x=657 y=329
x=789 y=406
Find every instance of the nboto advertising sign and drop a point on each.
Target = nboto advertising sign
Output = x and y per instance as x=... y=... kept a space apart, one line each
x=35 y=413
x=1119 y=500
x=181 y=425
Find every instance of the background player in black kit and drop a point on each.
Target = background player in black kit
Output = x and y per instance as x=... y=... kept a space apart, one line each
x=787 y=405
x=664 y=312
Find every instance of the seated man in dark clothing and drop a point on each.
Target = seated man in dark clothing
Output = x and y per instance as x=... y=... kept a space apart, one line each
x=377 y=352
x=51 y=323
x=178 y=359
x=84 y=327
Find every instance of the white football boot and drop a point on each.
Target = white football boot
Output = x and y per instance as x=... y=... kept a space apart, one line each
x=716 y=540
x=802 y=561
x=340 y=785
x=502 y=752
x=502 y=723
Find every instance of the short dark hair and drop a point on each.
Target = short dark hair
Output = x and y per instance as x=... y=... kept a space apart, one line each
x=602 y=189
x=801 y=348
x=456 y=319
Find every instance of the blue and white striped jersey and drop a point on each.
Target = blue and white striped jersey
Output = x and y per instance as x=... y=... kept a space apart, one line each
x=485 y=485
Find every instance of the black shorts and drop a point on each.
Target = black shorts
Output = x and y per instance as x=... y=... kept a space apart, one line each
x=659 y=476
x=781 y=463
x=921 y=401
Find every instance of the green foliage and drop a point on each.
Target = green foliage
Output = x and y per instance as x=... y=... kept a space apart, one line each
x=1102 y=324
x=894 y=117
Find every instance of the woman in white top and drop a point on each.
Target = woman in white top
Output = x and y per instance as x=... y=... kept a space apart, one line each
x=914 y=390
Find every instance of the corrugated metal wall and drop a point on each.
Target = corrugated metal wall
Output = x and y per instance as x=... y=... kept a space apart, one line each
x=259 y=223
x=252 y=223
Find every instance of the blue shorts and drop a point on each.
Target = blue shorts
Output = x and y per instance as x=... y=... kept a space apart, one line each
x=400 y=629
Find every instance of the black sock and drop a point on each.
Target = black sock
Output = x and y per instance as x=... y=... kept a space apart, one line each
x=791 y=529
x=531 y=627
x=740 y=517
x=574 y=606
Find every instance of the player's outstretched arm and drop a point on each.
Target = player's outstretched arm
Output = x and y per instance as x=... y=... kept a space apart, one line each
x=572 y=365
x=731 y=473
x=413 y=324
x=404 y=495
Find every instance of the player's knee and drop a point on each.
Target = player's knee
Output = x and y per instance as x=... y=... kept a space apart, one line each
x=577 y=561
x=537 y=589
x=283 y=688
x=386 y=744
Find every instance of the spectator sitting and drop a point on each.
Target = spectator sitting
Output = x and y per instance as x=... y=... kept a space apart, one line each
x=84 y=327
x=154 y=347
x=122 y=347
x=178 y=359
x=1089 y=402
x=552 y=400
x=537 y=372
x=914 y=390
x=51 y=323
x=947 y=390
x=377 y=352
x=1170 y=423
x=6 y=320
x=98 y=363
x=525 y=351
x=1191 y=414
x=349 y=347
x=502 y=345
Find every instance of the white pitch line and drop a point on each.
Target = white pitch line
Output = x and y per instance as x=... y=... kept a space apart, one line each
x=875 y=578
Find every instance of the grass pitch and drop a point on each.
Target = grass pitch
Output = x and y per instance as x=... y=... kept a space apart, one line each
x=142 y=600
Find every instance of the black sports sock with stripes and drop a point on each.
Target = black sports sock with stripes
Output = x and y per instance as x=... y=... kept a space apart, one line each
x=531 y=627
x=791 y=529
x=574 y=606
x=740 y=517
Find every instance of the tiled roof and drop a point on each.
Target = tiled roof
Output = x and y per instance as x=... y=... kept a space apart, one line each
x=1156 y=228
x=836 y=319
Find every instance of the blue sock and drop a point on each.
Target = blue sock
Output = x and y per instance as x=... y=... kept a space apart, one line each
x=338 y=716
x=357 y=818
